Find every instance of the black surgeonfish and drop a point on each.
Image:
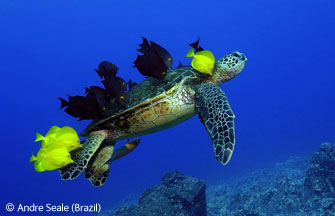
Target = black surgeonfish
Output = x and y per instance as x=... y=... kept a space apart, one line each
x=196 y=47
x=100 y=95
x=155 y=60
x=82 y=107
x=115 y=86
x=106 y=69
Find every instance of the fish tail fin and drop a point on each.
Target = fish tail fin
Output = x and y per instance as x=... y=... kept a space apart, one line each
x=64 y=103
x=190 y=53
x=33 y=158
x=99 y=72
x=39 y=137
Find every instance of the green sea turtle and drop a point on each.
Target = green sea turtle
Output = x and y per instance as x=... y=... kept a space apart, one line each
x=155 y=105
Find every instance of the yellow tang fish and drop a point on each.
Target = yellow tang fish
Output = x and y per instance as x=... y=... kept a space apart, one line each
x=51 y=159
x=57 y=136
x=203 y=61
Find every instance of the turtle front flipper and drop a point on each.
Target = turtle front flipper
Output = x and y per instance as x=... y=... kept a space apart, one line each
x=98 y=168
x=218 y=118
x=82 y=156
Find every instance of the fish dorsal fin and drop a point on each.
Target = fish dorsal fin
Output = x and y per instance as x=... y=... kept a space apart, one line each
x=39 y=137
x=195 y=45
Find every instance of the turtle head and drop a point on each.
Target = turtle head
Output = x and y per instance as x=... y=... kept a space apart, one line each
x=228 y=67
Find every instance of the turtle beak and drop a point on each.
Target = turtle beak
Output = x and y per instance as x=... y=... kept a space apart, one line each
x=243 y=57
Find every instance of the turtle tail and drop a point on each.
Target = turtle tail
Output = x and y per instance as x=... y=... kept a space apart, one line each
x=82 y=156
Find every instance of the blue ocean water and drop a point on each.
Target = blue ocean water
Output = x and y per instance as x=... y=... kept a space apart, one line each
x=283 y=99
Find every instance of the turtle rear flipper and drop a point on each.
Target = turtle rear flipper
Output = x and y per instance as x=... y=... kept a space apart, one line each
x=98 y=168
x=218 y=118
x=82 y=156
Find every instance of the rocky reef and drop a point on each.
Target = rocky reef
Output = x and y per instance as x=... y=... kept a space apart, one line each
x=300 y=186
x=320 y=176
x=176 y=195
x=320 y=179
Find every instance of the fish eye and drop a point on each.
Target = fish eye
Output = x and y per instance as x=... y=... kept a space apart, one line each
x=169 y=59
x=122 y=98
x=163 y=72
x=123 y=83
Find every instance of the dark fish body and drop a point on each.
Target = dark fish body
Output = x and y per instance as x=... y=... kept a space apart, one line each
x=82 y=107
x=155 y=60
x=107 y=69
x=100 y=95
